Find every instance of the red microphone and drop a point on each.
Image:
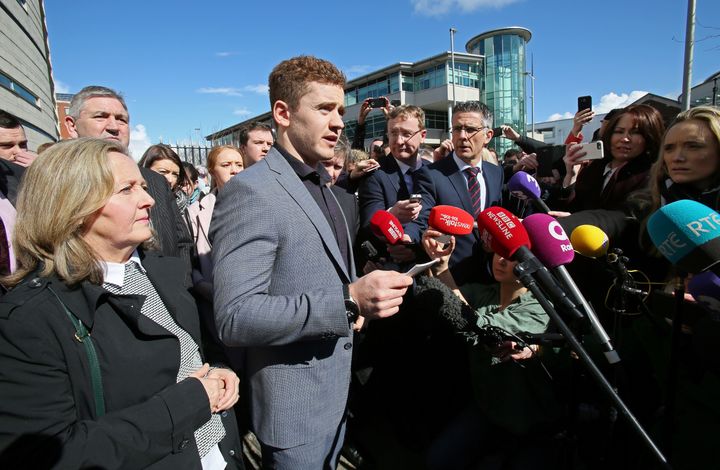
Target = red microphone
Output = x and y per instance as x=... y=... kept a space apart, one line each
x=387 y=227
x=502 y=231
x=451 y=220
x=508 y=238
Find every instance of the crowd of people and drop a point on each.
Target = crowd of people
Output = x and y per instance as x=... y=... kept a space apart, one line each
x=154 y=313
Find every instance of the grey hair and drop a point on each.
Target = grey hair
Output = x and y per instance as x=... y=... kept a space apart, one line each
x=92 y=91
x=486 y=116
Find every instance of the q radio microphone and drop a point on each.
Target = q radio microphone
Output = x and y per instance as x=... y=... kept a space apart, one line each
x=553 y=248
x=687 y=233
x=508 y=238
x=450 y=220
x=523 y=186
x=387 y=227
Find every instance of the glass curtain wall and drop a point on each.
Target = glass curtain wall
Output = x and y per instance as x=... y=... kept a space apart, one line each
x=502 y=83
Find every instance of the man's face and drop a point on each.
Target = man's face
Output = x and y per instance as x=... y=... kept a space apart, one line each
x=12 y=142
x=469 y=136
x=313 y=127
x=258 y=144
x=334 y=167
x=405 y=138
x=102 y=117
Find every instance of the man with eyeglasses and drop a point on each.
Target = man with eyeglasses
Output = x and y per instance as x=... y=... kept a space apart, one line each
x=390 y=187
x=464 y=180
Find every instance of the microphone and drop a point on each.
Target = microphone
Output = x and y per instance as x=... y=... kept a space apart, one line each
x=387 y=227
x=450 y=220
x=590 y=241
x=687 y=233
x=705 y=289
x=553 y=248
x=523 y=186
x=508 y=238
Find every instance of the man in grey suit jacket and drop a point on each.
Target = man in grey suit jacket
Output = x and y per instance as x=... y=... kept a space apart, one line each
x=283 y=275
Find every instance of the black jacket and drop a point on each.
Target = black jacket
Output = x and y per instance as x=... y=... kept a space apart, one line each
x=46 y=400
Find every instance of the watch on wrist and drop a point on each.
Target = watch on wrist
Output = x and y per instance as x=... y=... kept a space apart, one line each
x=352 y=310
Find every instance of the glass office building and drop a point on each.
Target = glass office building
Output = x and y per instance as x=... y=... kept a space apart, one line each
x=502 y=80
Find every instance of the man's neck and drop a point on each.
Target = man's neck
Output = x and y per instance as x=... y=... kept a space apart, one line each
x=474 y=161
x=409 y=161
x=285 y=143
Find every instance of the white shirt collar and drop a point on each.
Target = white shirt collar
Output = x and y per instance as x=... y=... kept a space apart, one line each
x=114 y=273
x=404 y=167
x=462 y=165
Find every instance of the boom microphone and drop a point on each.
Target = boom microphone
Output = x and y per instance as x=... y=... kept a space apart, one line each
x=523 y=186
x=387 y=227
x=509 y=239
x=553 y=248
x=687 y=233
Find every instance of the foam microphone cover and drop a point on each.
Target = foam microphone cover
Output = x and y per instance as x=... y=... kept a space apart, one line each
x=451 y=220
x=524 y=186
x=705 y=288
x=550 y=243
x=590 y=241
x=688 y=234
x=502 y=230
x=387 y=227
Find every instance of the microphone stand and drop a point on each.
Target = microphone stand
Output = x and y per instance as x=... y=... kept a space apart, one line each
x=674 y=367
x=524 y=271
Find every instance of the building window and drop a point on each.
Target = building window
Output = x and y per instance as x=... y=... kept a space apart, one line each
x=21 y=91
x=23 y=3
x=436 y=120
x=432 y=77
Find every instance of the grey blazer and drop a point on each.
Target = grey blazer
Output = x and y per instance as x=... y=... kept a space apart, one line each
x=278 y=276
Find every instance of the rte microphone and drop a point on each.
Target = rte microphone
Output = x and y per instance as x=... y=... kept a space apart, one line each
x=553 y=248
x=450 y=220
x=687 y=233
x=508 y=238
x=387 y=227
x=523 y=186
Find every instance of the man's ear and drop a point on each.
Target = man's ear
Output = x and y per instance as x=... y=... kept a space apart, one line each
x=70 y=126
x=281 y=113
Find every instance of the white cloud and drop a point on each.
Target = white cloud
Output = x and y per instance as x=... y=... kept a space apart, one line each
x=242 y=112
x=558 y=116
x=607 y=102
x=61 y=87
x=139 y=141
x=260 y=89
x=439 y=7
x=225 y=53
x=228 y=91
x=612 y=100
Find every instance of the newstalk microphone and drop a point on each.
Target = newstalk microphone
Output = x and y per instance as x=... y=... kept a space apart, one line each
x=523 y=186
x=450 y=220
x=553 y=248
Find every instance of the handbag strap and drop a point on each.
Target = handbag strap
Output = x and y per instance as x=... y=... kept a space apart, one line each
x=82 y=335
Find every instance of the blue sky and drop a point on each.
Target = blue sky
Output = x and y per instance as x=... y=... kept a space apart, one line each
x=190 y=68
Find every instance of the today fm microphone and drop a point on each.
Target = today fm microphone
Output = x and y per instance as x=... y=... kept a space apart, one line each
x=508 y=238
x=523 y=186
x=553 y=248
x=450 y=220
x=387 y=227
x=592 y=242
x=687 y=233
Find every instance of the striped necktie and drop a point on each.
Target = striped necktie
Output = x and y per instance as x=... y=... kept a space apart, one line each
x=474 y=188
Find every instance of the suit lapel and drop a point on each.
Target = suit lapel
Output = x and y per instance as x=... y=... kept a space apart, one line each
x=459 y=182
x=289 y=180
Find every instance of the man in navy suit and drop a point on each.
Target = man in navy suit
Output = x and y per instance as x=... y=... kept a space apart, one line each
x=462 y=179
x=389 y=188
